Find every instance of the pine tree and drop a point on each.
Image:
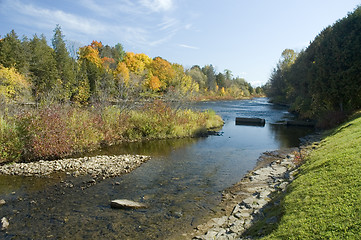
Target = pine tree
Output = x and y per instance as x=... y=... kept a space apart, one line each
x=46 y=83
x=65 y=64
x=12 y=53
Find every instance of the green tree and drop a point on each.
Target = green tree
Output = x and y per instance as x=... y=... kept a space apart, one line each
x=221 y=80
x=65 y=64
x=210 y=73
x=198 y=76
x=118 y=52
x=45 y=78
x=12 y=52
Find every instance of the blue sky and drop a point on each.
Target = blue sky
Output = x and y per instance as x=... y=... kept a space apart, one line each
x=244 y=36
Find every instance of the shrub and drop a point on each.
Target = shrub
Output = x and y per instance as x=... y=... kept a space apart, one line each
x=84 y=129
x=10 y=143
x=45 y=134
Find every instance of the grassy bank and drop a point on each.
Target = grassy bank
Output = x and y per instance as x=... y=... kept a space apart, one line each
x=58 y=131
x=324 y=201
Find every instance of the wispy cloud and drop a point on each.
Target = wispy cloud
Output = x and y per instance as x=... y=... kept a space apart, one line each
x=157 y=5
x=125 y=21
x=31 y=15
x=187 y=46
x=167 y=23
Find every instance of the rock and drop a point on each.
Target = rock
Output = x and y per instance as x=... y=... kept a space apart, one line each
x=272 y=220
x=2 y=202
x=4 y=223
x=126 y=204
x=283 y=186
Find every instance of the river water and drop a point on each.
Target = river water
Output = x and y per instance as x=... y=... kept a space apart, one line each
x=181 y=183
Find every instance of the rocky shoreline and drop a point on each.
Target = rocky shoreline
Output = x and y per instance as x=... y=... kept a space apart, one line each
x=244 y=203
x=97 y=167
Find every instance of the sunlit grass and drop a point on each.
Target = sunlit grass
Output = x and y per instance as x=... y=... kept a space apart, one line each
x=324 y=201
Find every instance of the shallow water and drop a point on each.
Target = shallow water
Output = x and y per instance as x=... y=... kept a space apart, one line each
x=181 y=183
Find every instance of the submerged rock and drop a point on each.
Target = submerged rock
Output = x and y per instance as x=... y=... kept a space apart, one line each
x=2 y=202
x=126 y=204
x=4 y=223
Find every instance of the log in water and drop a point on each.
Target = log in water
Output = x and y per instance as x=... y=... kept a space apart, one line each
x=250 y=121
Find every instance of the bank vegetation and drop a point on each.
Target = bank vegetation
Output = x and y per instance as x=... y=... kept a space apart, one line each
x=322 y=82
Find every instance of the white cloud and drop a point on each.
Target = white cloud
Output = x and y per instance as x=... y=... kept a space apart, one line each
x=110 y=21
x=157 y=5
x=111 y=8
x=45 y=18
x=188 y=46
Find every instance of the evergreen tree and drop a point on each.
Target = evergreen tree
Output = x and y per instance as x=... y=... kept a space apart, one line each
x=12 y=53
x=65 y=64
x=46 y=83
x=209 y=71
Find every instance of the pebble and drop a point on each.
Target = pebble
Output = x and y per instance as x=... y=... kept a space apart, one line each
x=4 y=224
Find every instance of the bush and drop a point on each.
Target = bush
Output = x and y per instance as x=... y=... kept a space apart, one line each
x=45 y=134
x=57 y=131
x=84 y=129
x=11 y=145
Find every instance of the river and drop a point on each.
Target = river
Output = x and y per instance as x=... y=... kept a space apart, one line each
x=181 y=183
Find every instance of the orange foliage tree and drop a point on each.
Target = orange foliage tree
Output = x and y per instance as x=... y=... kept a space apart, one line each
x=91 y=54
x=163 y=70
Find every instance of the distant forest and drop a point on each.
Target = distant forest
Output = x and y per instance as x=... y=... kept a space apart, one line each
x=323 y=81
x=31 y=70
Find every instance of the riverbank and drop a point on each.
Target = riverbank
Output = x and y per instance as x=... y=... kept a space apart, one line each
x=58 y=131
x=244 y=204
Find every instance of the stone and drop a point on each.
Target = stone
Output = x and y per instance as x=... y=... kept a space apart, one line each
x=265 y=193
x=249 y=202
x=283 y=186
x=237 y=227
x=126 y=204
x=262 y=202
x=2 y=202
x=272 y=220
x=211 y=234
x=4 y=223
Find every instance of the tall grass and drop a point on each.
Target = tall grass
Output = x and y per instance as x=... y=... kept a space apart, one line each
x=58 y=131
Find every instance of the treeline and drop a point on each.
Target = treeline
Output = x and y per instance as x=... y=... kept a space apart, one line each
x=323 y=81
x=31 y=70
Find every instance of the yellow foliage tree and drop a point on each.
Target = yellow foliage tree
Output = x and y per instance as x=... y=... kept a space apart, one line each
x=223 y=92
x=183 y=82
x=137 y=63
x=121 y=73
x=13 y=85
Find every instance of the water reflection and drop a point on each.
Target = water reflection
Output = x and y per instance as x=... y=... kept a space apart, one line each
x=285 y=135
x=153 y=147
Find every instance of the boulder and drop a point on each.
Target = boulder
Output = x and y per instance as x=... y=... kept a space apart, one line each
x=126 y=204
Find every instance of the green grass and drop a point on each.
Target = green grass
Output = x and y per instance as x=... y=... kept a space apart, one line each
x=324 y=201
